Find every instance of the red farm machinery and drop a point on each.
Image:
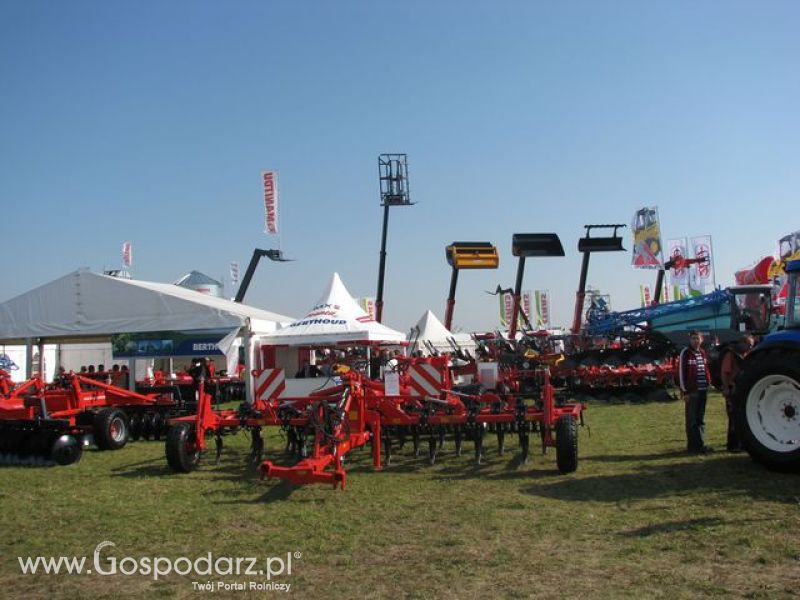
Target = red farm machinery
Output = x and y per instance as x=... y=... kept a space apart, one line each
x=46 y=424
x=420 y=402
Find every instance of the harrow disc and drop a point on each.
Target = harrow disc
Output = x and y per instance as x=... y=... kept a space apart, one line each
x=67 y=449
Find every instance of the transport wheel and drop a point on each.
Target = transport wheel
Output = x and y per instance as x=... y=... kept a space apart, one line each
x=767 y=409
x=136 y=426
x=147 y=426
x=567 y=444
x=67 y=449
x=182 y=453
x=112 y=428
x=158 y=426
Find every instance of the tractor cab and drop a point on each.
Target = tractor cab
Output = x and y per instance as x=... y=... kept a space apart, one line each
x=751 y=308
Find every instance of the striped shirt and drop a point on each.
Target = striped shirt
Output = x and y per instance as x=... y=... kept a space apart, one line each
x=702 y=382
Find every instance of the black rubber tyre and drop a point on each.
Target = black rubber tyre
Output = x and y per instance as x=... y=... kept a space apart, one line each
x=159 y=426
x=112 y=428
x=567 y=444
x=182 y=453
x=136 y=426
x=67 y=449
x=767 y=408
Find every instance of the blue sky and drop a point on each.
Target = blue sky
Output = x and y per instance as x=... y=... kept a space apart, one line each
x=152 y=121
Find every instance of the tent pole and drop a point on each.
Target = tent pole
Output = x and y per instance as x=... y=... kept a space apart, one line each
x=28 y=357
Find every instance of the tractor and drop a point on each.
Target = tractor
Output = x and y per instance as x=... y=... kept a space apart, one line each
x=767 y=396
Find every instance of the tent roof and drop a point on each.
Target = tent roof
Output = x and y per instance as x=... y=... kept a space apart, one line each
x=431 y=329
x=335 y=318
x=83 y=304
x=196 y=278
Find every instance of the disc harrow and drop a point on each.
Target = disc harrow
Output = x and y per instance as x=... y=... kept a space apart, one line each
x=50 y=424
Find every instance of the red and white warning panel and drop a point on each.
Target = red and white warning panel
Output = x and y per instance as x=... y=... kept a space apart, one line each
x=425 y=380
x=269 y=383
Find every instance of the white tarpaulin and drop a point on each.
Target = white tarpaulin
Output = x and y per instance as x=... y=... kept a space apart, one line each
x=335 y=318
x=87 y=304
x=432 y=330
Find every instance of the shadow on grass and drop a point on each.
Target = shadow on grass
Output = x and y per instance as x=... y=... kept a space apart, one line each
x=615 y=458
x=673 y=527
x=729 y=475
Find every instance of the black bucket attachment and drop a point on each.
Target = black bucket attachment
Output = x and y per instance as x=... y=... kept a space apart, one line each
x=612 y=243
x=472 y=255
x=536 y=244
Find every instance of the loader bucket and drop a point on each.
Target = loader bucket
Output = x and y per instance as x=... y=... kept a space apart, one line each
x=608 y=243
x=472 y=255
x=536 y=244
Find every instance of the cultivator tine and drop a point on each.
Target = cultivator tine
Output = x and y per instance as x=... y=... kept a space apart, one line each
x=387 y=449
x=501 y=440
x=524 y=442
x=256 y=445
x=415 y=434
x=478 y=444
x=218 y=444
x=433 y=447
x=457 y=440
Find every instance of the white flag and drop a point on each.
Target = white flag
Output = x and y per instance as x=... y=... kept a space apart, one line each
x=127 y=254
x=270 y=201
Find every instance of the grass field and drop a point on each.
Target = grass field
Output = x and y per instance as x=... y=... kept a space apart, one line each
x=639 y=519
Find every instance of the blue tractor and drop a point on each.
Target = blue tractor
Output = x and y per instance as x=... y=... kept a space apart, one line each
x=767 y=396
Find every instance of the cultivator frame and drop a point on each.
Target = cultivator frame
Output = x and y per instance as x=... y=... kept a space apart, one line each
x=324 y=426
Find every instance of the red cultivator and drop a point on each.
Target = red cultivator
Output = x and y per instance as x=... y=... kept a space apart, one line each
x=322 y=427
x=42 y=424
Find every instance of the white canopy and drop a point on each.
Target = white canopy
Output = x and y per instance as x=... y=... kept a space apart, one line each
x=431 y=330
x=335 y=318
x=85 y=304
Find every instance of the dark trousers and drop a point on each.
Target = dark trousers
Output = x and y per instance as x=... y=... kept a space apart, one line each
x=733 y=439
x=695 y=406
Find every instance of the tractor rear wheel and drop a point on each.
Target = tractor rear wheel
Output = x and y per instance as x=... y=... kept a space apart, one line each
x=67 y=449
x=567 y=444
x=112 y=428
x=181 y=448
x=767 y=408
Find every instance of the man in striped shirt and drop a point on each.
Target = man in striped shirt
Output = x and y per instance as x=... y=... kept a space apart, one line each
x=694 y=380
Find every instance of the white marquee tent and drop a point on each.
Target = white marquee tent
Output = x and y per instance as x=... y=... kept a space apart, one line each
x=83 y=304
x=335 y=318
x=432 y=330
x=87 y=307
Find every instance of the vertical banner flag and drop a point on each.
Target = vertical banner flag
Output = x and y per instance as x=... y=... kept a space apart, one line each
x=647 y=251
x=270 y=201
x=644 y=295
x=664 y=294
x=703 y=273
x=127 y=254
x=368 y=304
x=678 y=248
x=527 y=304
x=506 y=308
x=235 y=273
x=543 y=308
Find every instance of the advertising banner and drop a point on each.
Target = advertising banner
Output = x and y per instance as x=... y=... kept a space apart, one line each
x=647 y=250
x=270 y=201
